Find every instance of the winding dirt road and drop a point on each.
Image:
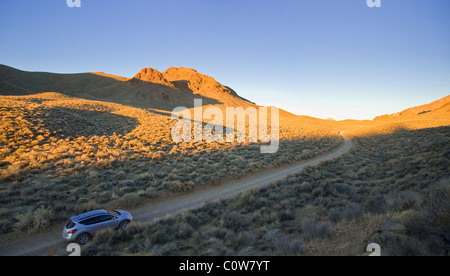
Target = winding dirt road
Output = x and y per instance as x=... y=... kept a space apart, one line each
x=51 y=242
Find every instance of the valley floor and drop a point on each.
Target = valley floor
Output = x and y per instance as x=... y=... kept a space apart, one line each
x=392 y=190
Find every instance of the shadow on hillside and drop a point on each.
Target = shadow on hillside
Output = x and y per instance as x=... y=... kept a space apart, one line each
x=68 y=122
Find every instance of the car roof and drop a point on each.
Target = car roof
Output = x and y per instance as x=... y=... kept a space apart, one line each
x=89 y=215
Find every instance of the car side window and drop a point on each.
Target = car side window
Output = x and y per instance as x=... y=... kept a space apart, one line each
x=91 y=221
x=106 y=218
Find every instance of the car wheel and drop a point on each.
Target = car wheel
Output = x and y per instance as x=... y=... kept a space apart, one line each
x=83 y=238
x=124 y=224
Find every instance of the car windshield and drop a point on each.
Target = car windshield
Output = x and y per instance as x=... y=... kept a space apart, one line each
x=113 y=212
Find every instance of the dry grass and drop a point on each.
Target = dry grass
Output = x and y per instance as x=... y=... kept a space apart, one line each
x=71 y=155
x=336 y=208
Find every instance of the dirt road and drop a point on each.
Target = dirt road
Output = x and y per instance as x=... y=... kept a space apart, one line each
x=51 y=242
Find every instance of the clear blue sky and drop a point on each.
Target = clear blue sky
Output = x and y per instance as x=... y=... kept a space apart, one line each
x=323 y=58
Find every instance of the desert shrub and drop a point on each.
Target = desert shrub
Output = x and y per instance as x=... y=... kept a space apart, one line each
x=404 y=200
x=234 y=221
x=216 y=232
x=5 y=226
x=166 y=249
x=246 y=251
x=191 y=219
x=343 y=189
x=315 y=229
x=105 y=239
x=179 y=187
x=427 y=226
x=12 y=172
x=243 y=239
x=160 y=234
x=431 y=223
x=24 y=222
x=105 y=236
x=349 y=212
x=129 y=201
x=286 y=215
x=395 y=244
x=120 y=175
x=376 y=204
x=83 y=205
x=437 y=204
x=288 y=247
x=34 y=221
x=42 y=219
x=183 y=231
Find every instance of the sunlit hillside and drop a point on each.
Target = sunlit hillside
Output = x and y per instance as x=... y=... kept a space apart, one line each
x=430 y=115
x=149 y=88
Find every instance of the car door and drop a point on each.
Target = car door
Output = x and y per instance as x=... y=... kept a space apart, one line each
x=108 y=221
x=92 y=224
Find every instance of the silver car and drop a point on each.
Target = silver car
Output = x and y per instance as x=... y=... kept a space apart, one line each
x=82 y=227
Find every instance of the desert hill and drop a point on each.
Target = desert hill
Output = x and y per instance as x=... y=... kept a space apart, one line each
x=150 y=75
x=147 y=89
x=163 y=91
x=436 y=109
x=435 y=114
